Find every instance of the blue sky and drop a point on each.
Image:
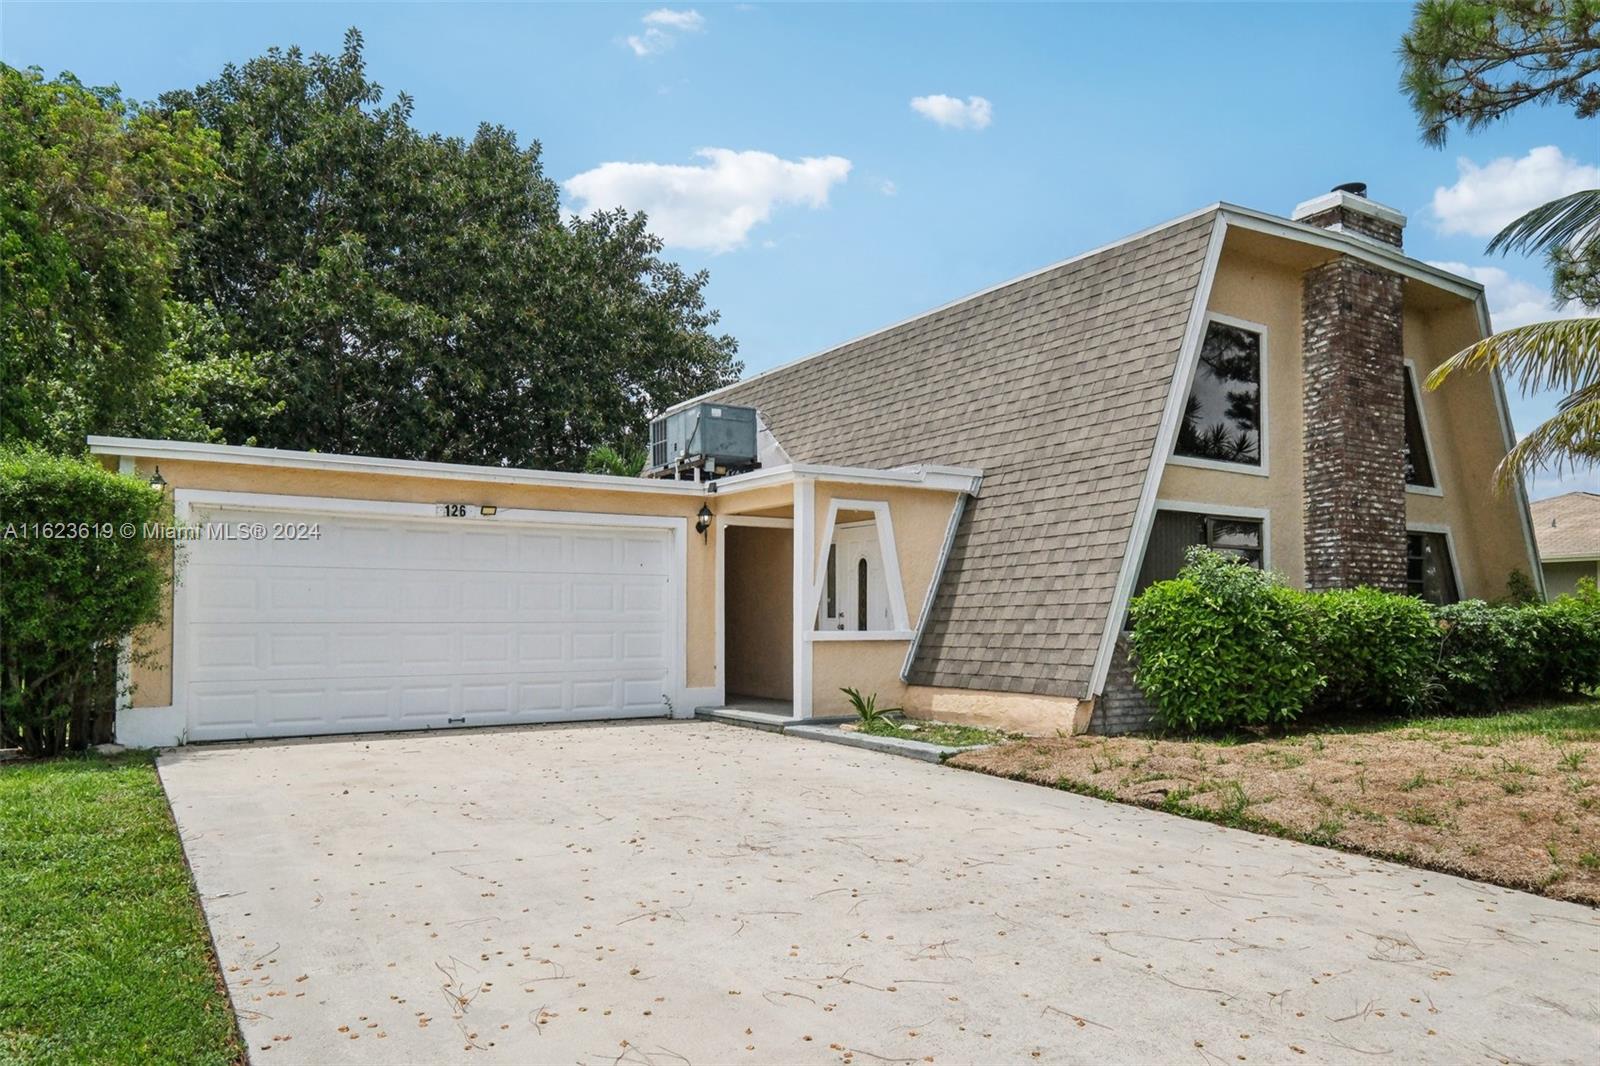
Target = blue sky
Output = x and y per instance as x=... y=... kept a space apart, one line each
x=832 y=205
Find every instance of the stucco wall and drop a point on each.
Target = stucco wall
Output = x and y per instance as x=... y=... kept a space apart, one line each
x=758 y=611
x=920 y=518
x=1463 y=430
x=1465 y=442
x=152 y=671
x=1268 y=294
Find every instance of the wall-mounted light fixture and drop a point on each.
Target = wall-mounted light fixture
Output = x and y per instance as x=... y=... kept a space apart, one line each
x=702 y=523
x=488 y=510
x=158 y=482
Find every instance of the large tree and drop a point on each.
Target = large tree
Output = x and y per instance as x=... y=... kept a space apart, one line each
x=93 y=193
x=421 y=296
x=1471 y=62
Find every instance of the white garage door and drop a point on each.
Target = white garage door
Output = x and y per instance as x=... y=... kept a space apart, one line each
x=412 y=623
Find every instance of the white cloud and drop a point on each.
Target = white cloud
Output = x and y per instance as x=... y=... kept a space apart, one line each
x=1513 y=301
x=688 y=21
x=662 y=28
x=975 y=113
x=1484 y=199
x=888 y=188
x=713 y=206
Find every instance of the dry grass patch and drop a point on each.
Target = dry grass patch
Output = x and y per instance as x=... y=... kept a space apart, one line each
x=1510 y=800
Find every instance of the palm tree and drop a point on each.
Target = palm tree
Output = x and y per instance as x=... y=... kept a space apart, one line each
x=1563 y=355
x=623 y=461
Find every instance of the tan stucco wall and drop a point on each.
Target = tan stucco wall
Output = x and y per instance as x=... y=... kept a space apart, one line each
x=1269 y=294
x=920 y=518
x=758 y=611
x=1034 y=715
x=152 y=677
x=870 y=666
x=1561 y=578
x=1466 y=445
x=1463 y=430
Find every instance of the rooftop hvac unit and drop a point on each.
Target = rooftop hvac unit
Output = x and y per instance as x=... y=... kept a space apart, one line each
x=712 y=437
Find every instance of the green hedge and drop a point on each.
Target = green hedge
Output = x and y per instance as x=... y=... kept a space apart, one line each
x=1377 y=650
x=79 y=576
x=1223 y=645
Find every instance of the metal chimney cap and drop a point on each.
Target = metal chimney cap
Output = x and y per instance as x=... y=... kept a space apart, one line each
x=1354 y=188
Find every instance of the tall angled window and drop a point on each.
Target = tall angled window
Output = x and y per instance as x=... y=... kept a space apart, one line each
x=1419 y=465
x=1222 y=419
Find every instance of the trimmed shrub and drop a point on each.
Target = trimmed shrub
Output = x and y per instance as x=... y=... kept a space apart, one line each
x=78 y=577
x=1378 y=651
x=1484 y=654
x=1566 y=634
x=1222 y=646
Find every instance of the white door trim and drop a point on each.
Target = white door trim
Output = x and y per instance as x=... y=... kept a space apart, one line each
x=891 y=571
x=185 y=501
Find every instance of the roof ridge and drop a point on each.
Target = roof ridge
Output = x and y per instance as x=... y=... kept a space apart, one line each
x=958 y=301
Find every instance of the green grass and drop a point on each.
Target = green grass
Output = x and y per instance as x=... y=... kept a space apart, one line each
x=950 y=736
x=104 y=956
x=1557 y=721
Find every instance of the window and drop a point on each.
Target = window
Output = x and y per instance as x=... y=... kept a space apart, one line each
x=1419 y=466
x=1222 y=418
x=833 y=581
x=861 y=595
x=1429 y=574
x=1174 y=532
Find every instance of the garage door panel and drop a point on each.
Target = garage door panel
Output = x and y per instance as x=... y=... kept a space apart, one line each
x=395 y=623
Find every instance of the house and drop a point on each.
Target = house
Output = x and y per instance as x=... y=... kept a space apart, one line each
x=952 y=512
x=1567 y=528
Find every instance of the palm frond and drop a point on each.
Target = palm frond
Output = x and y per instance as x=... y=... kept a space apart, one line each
x=1567 y=222
x=1563 y=355
x=1570 y=438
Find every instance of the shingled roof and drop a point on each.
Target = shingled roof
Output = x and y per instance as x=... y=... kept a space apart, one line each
x=1568 y=526
x=1054 y=384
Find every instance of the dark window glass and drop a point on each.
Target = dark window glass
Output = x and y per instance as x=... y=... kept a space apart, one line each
x=1428 y=572
x=1222 y=419
x=861 y=595
x=1175 y=532
x=833 y=584
x=1419 y=468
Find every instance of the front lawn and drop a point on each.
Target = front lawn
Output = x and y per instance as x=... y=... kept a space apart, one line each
x=1512 y=798
x=104 y=956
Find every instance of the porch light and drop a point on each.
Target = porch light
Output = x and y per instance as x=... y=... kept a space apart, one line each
x=158 y=482
x=702 y=522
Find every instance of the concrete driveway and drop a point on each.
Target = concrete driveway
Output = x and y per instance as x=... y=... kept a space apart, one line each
x=689 y=892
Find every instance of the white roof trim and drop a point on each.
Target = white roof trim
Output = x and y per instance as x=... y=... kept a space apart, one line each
x=362 y=464
x=941 y=478
x=1340 y=198
x=1354 y=245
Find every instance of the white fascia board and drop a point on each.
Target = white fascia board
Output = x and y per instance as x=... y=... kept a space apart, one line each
x=1355 y=246
x=1582 y=557
x=939 y=478
x=361 y=464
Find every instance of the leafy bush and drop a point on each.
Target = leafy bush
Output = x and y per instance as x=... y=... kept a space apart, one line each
x=1566 y=633
x=1223 y=645
x=78 y=577
x=1377 y=650
x=1484 y=654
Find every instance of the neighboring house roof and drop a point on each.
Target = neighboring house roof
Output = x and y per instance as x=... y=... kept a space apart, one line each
x=1568 y=527
x=1055 y=384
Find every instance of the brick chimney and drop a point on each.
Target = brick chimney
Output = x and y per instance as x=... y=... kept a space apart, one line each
x=1354 y=403
x=1346 y=209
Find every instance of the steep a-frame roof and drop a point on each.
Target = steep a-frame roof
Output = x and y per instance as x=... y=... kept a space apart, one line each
x=1055 y=385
